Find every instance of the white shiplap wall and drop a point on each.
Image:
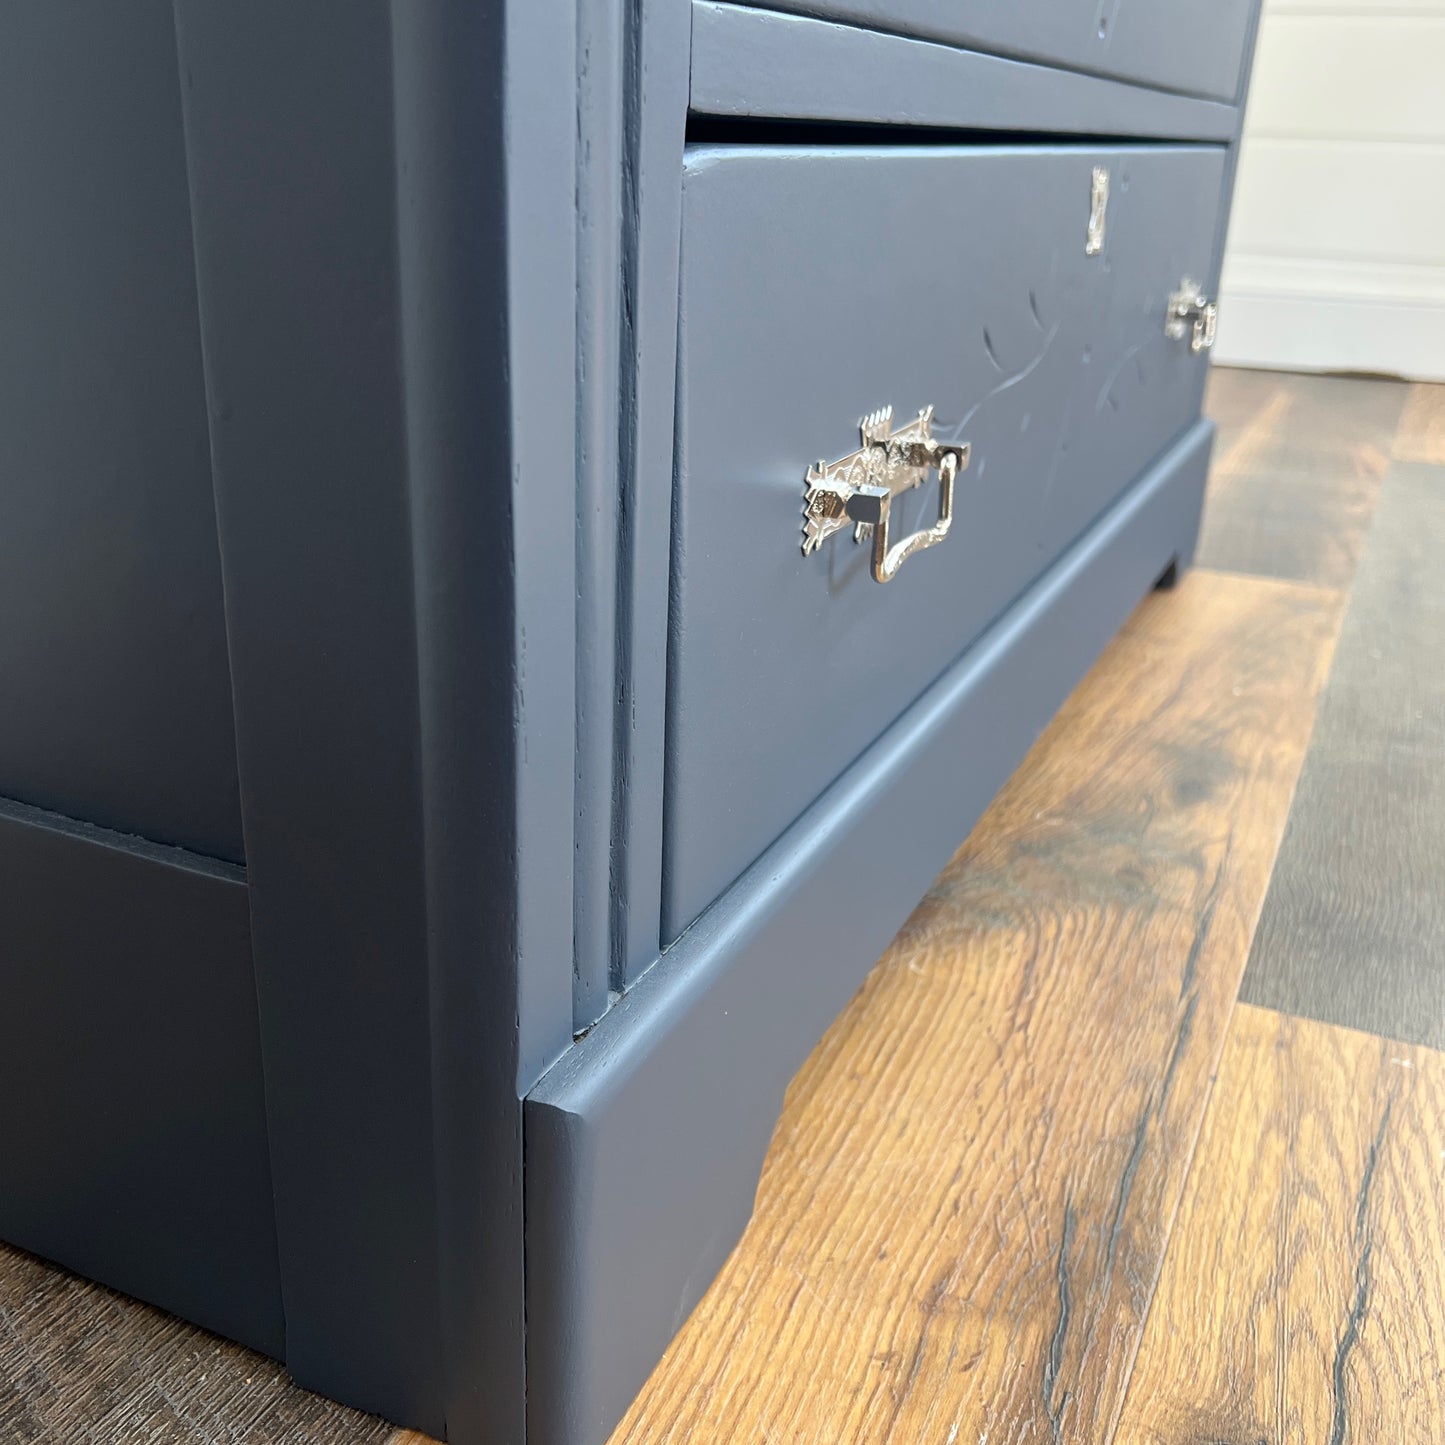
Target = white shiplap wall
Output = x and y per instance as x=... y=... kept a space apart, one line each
x=1336 y=254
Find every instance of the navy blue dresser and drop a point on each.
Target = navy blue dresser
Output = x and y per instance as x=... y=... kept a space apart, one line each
x=531 y=530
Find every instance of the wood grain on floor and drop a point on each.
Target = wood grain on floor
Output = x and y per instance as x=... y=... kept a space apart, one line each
x=1296 y=476
x=1421 y=433
x=1353 y=930
x=1303 y=1296
x=1248 y=414
x=82 y=1365
x=969 y=1194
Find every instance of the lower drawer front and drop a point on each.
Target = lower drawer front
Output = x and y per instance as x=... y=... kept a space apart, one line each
x=820 y=285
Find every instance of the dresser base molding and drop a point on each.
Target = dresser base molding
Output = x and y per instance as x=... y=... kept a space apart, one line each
x=645 y=1142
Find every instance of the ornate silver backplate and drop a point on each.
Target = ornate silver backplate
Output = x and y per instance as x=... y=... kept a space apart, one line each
x=859 y=488
x=1191 y=314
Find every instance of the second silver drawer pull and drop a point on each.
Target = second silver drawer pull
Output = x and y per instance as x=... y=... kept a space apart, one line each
x=860 y=488
x=1193 y=315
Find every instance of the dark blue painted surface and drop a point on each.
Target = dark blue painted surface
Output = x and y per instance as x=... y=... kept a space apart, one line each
x=753 y=62
x=113 y=665
x=133 y=1135
x=819 y=285
x=387 y=291
x=603 y=38
x=1195 y=47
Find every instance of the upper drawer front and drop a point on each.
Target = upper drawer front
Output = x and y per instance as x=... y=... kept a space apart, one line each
x=818 y=286
x=1190 y=46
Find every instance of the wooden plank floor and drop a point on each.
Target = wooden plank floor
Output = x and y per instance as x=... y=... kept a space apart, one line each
x=82 y=1365
x=1008 y=1201
x=1298 y=466
x=1303 y=1295
x=1421 y=433
x=969 y=1195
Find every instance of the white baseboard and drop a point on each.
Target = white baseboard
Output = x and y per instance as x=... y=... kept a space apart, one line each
x=1332 y=333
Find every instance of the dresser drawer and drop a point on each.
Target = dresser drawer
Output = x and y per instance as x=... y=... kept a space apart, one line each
x=1195 y=47
x=819 y=286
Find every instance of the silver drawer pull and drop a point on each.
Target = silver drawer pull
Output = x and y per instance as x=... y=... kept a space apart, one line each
x=860 y=488
x=1191 y=314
